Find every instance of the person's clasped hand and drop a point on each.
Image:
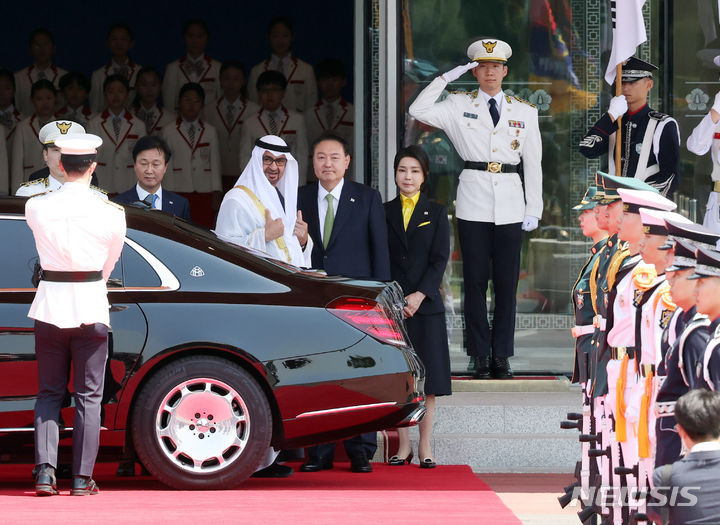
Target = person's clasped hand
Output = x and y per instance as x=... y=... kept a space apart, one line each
x=618 y=107
x=459 y=71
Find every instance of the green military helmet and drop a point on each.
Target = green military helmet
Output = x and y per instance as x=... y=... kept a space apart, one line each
x=611 y=183
x=587 y=202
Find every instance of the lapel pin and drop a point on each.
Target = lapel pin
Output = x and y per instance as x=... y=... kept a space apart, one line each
x=425 y=213
x=170 y=202
x=352 y=200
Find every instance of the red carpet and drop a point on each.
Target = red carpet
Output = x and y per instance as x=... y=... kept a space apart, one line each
x=394 y=495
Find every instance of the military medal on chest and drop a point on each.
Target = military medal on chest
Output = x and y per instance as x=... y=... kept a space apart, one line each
x=515 y=144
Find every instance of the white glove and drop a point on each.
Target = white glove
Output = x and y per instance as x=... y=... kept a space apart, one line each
x=618 y=107
x=716 y=102
x=457 y=72
x=529 y=223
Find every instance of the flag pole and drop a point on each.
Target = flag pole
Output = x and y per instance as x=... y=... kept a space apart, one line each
x=618 y=133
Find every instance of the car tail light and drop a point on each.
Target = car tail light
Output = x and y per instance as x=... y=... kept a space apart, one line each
x=369 y=317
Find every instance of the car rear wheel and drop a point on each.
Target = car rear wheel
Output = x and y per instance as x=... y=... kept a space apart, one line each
x=201 y=422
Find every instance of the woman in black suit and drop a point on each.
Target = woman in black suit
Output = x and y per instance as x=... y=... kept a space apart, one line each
x=419 y=240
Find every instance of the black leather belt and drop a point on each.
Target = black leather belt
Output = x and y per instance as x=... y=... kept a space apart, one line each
x=492 y=167
x=71 y=277
x=618 y=352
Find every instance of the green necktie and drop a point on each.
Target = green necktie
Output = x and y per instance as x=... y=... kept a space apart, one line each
x=329 y=220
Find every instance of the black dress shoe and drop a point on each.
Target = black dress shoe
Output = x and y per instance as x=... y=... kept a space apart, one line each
x=501 y=368
x=275 y=470
x=126 y=469
x=316 y=465
x=45 y=484
x=482 y=368
x=360 y=464
x=83 y=486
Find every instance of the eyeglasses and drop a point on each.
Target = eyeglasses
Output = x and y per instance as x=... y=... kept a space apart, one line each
x=279 y=161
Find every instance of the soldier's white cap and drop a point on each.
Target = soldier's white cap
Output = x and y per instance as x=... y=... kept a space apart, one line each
x=78 y=144
x=633 y=200
x=489 y=50
x=654 y=220
x=58 y=128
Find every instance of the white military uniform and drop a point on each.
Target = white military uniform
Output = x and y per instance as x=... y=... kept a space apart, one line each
x=482 y=195
x=115 y=169
x=228 y=132
x=241 y=219
x=706 y=137
x=301 y=91
x=194 y=165
x=155 y=118
x=80 y=115
x=204 y=71
x=46 y=185
x=291 y=128
x=26 y=77
x=97 y=94
x=27 y=152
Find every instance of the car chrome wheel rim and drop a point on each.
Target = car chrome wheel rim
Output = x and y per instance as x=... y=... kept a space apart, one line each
x=202 y=425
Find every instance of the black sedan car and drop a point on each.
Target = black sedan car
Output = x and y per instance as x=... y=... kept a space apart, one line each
x=216 y=352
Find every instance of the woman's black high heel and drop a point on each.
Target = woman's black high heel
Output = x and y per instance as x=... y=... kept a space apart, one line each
x=396 y=461
x=428 y=463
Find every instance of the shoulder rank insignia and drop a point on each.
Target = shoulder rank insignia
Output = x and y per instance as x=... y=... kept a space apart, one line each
x=114 y=204
x=508 y=99
x=34 y=182
x=524 y=101
x=98 y=189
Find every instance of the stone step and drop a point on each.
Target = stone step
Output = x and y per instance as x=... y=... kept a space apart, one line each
x=506 y=431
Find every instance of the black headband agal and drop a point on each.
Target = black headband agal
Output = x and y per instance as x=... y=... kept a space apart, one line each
x=272 y=147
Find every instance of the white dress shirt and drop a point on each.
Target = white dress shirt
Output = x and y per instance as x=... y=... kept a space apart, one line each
x=498 y=99
x=74 y=230
x=143 y=193
x=323 y=205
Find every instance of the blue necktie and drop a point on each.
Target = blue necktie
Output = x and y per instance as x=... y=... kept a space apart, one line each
x=494 y=111
x=154 y=201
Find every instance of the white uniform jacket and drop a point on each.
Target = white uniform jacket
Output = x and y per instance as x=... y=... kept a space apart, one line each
x=48 y=184
x=161 y=117
x=180 y=72
x=26 y=77
x=27 y=152
x=706 y=137
x=97 y=94
x=229 y=132
x=484 y=196
x=115 y=170
x=74 y=230
x=301 y=91
x=193 y=168
x=291 y=128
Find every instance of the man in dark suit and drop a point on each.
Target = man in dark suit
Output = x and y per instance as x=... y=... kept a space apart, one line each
x=151 y=155
x=691 y=486
x=346 y=222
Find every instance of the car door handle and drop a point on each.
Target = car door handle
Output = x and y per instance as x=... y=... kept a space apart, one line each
x=118 y=307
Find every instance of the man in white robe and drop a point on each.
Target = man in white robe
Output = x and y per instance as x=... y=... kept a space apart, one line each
x=260 y=212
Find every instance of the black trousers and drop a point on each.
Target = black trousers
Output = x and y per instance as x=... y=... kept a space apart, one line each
x=86 y=346
x=486 y=246
x=361 y=445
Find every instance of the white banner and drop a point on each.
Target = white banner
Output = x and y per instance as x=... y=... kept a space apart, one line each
x=628 y=33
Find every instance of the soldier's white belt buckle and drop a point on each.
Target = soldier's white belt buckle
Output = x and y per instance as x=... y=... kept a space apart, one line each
x=494 y=167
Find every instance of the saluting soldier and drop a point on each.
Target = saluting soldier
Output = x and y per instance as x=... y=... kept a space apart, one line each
x=79 y=238
x=650 y=140
x=493 y=133
x=707 y=271
x=51 y=177
x=706 y=137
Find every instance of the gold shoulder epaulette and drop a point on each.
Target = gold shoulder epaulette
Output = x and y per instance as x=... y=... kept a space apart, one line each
x=615 y=263
x=460 y=92
x=644 y=276
x=98 y=189
x=33 y=182
x=508 y=99
x=114 y=204
x=39 y=194
x=523 y=101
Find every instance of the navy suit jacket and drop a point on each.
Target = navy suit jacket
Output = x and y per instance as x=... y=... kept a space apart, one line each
x=358 y=245
x=171 y=202
x=418 y=256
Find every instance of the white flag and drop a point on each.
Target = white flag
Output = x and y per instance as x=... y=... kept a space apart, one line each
x=628 y=33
